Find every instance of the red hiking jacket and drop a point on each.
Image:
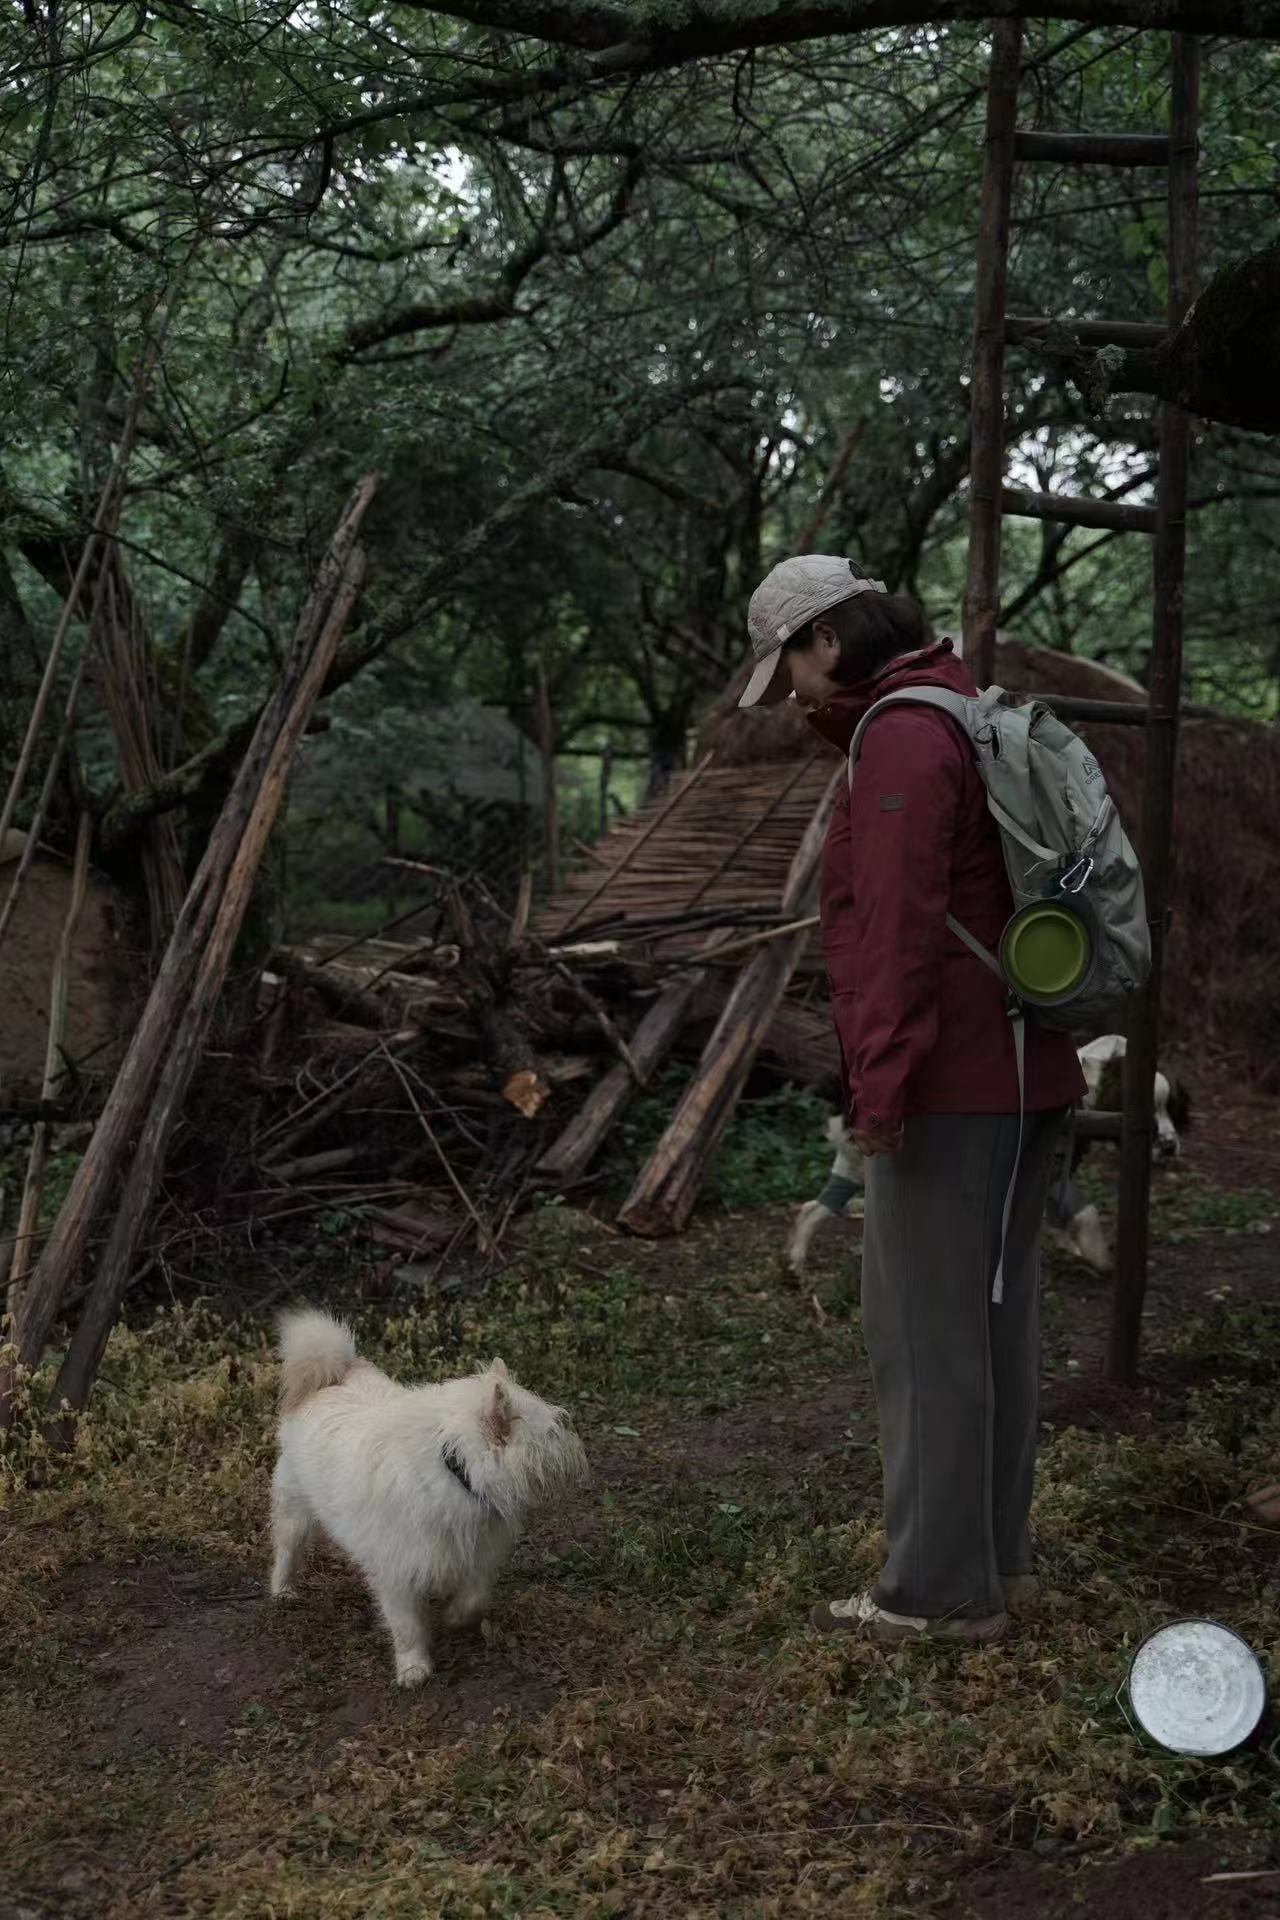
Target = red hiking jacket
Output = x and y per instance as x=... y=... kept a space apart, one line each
x=921 y=1022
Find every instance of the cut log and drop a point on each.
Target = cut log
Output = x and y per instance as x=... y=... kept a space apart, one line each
x=524 y=1084
x=293 y=1171
x=527 y=1092
x=568 y=1158
x=335 y=989
x=484 y=986
x=662 y=1199
x=410 y=1228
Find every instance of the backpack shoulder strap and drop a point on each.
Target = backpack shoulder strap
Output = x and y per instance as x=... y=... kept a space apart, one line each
x=941 y=698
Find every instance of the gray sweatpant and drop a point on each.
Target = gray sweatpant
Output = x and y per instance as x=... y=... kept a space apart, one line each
x=956 y=1377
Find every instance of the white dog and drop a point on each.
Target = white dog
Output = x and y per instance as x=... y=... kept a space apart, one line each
x=423 y=1487
x=843 y=1194
x=1066 y=1211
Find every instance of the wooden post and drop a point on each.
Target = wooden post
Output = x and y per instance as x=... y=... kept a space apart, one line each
x=986 y=374
x=550 y=814
x=1168 y=563
x=662 y=1198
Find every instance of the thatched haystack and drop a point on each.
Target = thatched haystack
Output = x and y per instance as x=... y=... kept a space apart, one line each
x=725 y=834
x=101 y=990
x=1220 y=983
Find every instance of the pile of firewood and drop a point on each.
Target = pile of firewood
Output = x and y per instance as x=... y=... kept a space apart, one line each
x=434 y=1085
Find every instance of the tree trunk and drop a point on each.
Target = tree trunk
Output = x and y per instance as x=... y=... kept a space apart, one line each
x=550 y=800
x=667 y=735
x=1218 y=363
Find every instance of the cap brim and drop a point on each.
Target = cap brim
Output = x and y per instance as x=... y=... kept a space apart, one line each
x=770 y=682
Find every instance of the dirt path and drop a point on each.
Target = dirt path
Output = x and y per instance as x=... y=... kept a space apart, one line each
x=650 y=1621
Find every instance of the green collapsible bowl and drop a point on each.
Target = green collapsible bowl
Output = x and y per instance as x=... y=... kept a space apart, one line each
x=1046 y=952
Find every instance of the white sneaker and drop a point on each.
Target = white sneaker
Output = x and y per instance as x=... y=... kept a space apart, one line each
x=860 y=1614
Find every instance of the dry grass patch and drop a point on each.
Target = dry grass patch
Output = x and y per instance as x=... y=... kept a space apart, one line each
x=646 y=1729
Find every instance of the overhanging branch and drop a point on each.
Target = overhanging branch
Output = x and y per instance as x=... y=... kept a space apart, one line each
x=204 y=771
x=631 y=38
x=498 y=302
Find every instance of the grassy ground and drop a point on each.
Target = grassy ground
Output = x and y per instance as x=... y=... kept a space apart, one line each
x=645 y=1728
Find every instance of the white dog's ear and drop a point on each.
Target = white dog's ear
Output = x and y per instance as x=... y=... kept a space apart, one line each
x=498 y=1416
x=499 y=1368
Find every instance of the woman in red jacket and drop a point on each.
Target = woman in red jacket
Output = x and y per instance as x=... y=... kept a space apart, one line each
x=931 y=1099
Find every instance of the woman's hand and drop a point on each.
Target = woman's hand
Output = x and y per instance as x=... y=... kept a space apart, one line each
x=872 y=1143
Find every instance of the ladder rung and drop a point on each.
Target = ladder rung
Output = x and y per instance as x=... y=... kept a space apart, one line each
x=1117 y=515
x=1091 y=1125
x=1102 y=149
x=1067 y=706
x=1019 y=327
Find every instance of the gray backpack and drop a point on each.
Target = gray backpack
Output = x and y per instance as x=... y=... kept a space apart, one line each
x=1079 y=909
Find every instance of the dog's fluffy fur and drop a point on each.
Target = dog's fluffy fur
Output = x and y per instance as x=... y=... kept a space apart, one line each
x=1067 y=1212
x=847 y=1168
x=367 y=1460
x=1101 y=1062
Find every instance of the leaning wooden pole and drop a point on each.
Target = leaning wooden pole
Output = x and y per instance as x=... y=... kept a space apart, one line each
x=76 y=1375
x=122 y=1119
x=550 y=799
x=100 y=531
x=1163 y=695
x=24 y=1244
x=986 y=374
x=571 y=1153
x=662 y=1199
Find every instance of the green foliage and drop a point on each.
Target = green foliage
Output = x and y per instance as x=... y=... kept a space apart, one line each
x=774 y=1150
x=605 y=361
x=1185 y=1202
x=1194 y=1204
x=58 y=1176
x=647 y=1717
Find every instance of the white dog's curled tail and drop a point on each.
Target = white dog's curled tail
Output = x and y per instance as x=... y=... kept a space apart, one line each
x=315 y=1351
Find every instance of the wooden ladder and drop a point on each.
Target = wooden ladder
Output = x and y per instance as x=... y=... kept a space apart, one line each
x=1165 y=523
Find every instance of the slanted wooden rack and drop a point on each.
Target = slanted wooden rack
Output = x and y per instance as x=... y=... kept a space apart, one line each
x=990 y=500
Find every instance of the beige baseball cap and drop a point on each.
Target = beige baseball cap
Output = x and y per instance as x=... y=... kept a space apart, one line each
x=791 y=595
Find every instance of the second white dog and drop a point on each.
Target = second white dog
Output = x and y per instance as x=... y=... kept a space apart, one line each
x=423 y=1487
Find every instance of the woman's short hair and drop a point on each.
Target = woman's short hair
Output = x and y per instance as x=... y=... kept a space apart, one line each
x=871 y=628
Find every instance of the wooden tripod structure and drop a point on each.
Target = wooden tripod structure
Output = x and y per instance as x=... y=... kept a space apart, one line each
x=1165 y=523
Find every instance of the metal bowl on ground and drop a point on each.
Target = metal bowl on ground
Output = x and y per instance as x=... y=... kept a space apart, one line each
x=1196 y=1687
